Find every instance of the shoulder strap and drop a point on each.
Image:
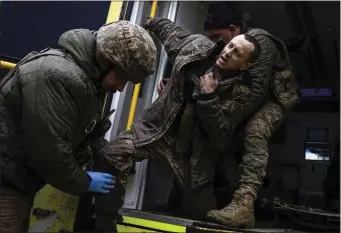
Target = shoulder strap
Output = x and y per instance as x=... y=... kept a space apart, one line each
x=30 y=57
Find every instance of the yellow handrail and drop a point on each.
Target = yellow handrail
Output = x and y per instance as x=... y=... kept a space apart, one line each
x=6 y=65
x=137 y=86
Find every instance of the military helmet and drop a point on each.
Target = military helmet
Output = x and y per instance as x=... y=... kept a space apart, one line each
x=130 y=47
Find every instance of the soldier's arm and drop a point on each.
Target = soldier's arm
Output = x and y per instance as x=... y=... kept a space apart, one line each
x=259 y=75
x=215 y=118
x=98 y=144
x=219 y=118
x=173 y=37
x=49 y=116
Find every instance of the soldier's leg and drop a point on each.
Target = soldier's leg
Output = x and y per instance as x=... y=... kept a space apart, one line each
x=232 y=160
x=16 y=182
x=231 y=174
x=202 y=171
x=258 y=131
x=84 y=221
x=175 y=198
x=15 y=209
x=107 y=205
x=118 y=157
x=18 y=187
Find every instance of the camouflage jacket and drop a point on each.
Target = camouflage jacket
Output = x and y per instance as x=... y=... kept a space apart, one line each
x=220 y=114
x=283 y=82
x=52 y=97
x=283 y=89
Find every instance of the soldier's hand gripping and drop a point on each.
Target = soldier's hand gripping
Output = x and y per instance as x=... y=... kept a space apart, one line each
x=146 y=23
x=208 y=84
x=161 y=85
x=101 y=182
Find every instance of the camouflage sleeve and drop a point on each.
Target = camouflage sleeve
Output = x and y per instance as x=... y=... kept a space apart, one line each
x=219 y=118
x=49 y=116
x=285 y=88
x=173 y=38
x=260 y=76
x=98 y=144
x=215 y=120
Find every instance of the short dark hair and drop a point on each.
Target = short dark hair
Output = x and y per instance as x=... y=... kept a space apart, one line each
x=254 y=55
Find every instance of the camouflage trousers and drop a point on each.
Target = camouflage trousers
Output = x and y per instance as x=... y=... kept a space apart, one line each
x=254 y=145
x=122 y=155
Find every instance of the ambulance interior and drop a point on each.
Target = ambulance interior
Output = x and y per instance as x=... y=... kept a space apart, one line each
x=304 y=152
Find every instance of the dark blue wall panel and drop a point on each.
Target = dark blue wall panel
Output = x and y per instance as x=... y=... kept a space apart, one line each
x=27 y=26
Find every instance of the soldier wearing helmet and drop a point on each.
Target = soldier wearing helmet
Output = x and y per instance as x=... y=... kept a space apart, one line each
x=50 y=103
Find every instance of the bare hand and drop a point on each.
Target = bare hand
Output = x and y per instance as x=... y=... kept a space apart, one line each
x=146 y=24
x=208 y=83
x=161 y=85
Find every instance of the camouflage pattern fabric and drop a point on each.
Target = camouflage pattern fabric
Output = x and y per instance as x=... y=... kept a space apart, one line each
x=258 y=132
x=51 y=122
x=122 y=153
x=283 y=81
x=218 y=114
x=128 y=46
x=281 y=98
x=266 y=120
x=182 y=48
x=67 y=79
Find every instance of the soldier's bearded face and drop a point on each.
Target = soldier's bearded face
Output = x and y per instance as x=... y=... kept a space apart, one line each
x=114 y=81
x=235 y=54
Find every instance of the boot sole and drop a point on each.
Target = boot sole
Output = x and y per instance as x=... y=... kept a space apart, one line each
x=242 y=224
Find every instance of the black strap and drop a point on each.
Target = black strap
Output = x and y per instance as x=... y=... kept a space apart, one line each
x=195 y=79
x=30 y=57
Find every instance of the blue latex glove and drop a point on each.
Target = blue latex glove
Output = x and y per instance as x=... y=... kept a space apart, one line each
x=101 y=182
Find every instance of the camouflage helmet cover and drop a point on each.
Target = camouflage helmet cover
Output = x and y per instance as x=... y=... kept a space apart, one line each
x=129 y=46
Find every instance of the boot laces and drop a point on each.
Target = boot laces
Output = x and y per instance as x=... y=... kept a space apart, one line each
x=236 y=201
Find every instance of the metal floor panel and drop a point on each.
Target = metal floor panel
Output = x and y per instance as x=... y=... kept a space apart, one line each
x=191 y=226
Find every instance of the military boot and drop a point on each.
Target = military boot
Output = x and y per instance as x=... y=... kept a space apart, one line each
x=239 y=213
